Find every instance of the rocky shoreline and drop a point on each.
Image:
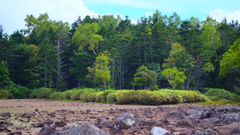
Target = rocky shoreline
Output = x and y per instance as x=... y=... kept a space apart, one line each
x=178 y=120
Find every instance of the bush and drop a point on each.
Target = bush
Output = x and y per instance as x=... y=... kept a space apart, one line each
x=159 y=97
x=127 y=97
x=111 y=98
x=191 y=96
x=76 y=94
x=17 y=91
x=67 y=94
x=45 y=93
x=102 y=96
x=221 y=94
x=4 y=94
x=56 y=95
x=41 y=93
x=88 y=97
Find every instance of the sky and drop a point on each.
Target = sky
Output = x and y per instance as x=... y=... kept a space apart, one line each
x=13 y=12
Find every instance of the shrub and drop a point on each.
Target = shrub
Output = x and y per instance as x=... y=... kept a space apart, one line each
x=127 y=96
x=88 y=97
x=44 y=93
x=191 y=96
x=102 y=96
x=159 y=97
x=111 y=98
x=76 y=94
x=4 y=94
x=67 y=94
x=17 y=91
x=41 y=93
x=221 y=94
x=56 y=95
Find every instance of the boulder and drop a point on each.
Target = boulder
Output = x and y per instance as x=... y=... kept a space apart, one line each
x=104 y=123
x=5 y=114
x=189 y=121
x=125 y=121
x=208 y=131
x=206 y=123
x=159 y=131
x=48 y=122
x=3 y=128
x=235 y=131
x=38 y=124
x=47 y=130
x=115 y=131
x=83 y=129
x=26 y=115
x=60 y=124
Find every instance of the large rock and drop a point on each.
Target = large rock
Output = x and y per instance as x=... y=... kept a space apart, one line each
x=208 y=131
x=115 y=131
x=48 y=122
x=230 y=117
x=104 y=123
x=26 y=115
x=3 y=128
x=47 y=130
x=60 y=124
x=125 y=121
x=206 y=123
x=5 y=114
x=235 y=131
x=189 y=121
x=83 y=129
x=200 y=114
x=159 y=131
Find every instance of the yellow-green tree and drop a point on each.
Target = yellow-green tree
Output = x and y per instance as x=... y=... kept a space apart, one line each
x=174 y=76
x=86 y=34
x=101 y=68
x=231 y=60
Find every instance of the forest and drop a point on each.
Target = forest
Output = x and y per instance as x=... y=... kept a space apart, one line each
x=108 y=52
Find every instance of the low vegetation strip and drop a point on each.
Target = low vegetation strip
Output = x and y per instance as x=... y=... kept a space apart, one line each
x=144 y=97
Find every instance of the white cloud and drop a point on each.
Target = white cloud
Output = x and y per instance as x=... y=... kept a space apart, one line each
x=219 y=15
x=14 y=12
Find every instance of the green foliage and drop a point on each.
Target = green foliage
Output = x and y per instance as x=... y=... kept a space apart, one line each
x=211 y=40
x=145 y=77
x=231 y=59
x=61 y=84
x=57 y=95
x=76 y=94
x=159 y=97
x=17 y=91
x=191 y=96
x=4 y=75
x=127 y=97
x=86 y=34
x=101 y=68
x=174 y=77
x=4 y=94
x=41 y=93
x=67 y=94
x=111 y=98
x=215 y=94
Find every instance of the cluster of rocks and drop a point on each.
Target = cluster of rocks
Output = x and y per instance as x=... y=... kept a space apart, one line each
x=178 y=120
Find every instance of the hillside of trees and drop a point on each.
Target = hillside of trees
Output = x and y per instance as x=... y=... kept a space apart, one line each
x=110 y=52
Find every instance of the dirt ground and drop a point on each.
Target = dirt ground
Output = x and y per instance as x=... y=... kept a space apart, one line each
x=29 y=105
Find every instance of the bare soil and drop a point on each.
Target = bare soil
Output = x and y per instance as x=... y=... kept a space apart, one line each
x=29 y=105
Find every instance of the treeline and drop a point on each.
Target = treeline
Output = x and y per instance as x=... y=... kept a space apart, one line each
x=111 y=52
